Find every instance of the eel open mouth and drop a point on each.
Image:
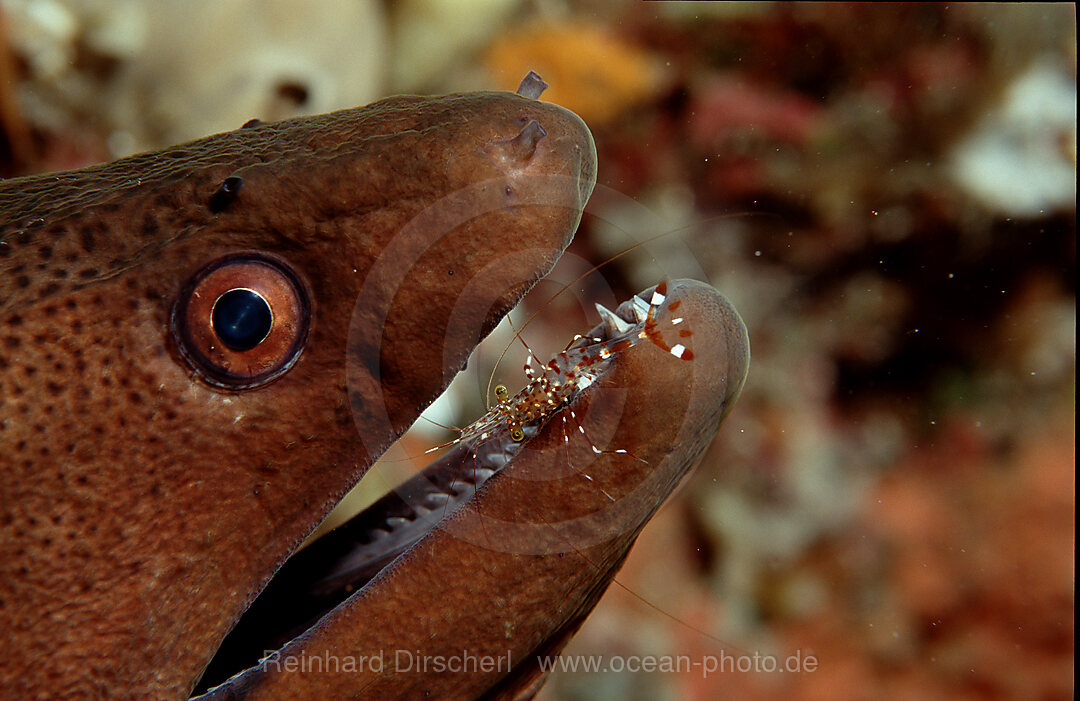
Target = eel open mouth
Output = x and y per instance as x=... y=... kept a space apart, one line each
x=327 y=572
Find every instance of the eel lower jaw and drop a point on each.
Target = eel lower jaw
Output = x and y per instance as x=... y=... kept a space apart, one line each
x=324 y=574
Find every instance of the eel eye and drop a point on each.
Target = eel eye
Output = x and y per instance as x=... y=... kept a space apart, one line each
x=242 y=321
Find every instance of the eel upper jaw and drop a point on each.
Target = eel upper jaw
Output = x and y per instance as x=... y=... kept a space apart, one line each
x=320 y=577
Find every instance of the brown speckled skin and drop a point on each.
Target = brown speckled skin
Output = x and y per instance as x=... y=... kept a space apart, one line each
x=142 y=509
x=532 y=553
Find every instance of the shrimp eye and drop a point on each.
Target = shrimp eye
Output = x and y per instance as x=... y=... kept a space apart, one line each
x=501 y=392
x=517 y=434
x=242 y=321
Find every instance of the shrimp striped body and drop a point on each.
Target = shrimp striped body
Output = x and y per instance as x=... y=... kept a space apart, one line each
x=572 y=371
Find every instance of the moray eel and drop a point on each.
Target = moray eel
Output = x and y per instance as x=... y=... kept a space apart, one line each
x=203 y=348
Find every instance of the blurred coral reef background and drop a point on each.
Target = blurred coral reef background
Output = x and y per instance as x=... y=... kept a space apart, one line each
x=886 y=192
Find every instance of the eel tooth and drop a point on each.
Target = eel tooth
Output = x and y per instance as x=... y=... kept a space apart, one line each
x=640 y=308
x=613 y=324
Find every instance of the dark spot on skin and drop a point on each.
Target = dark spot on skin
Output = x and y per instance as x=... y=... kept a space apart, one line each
x=60 y=273
x=149 y=226
x=12 y=342
x=53 y=388
x=15 y=320
x=86 y=239
x=23 y=281
x=88 y=274
x=45 y=252
x=49 y=290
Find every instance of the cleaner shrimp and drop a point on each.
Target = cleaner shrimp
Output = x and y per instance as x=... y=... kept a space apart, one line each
x=569 y=372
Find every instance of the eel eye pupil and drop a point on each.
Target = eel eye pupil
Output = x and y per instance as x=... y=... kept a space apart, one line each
x=242 y=319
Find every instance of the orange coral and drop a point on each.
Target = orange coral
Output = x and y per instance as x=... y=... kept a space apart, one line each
x=591 y=71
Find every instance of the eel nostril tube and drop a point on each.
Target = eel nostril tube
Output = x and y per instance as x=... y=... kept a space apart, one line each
x=532 y=86
x=519 y=149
